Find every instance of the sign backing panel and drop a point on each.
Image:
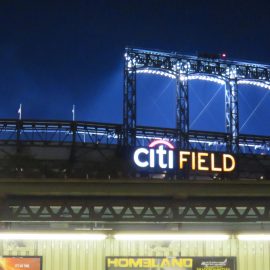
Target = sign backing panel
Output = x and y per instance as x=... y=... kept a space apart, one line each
x=21 y=263
x=170 y=263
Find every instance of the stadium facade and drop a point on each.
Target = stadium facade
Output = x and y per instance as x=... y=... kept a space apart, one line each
x=82 y=195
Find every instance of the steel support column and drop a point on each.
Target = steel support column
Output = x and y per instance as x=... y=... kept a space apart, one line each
x=232 y=112
x=19 y=127
x=182 y=111
x=129 y=103
x=72 y=155
x=234 y=116
x=228 y=115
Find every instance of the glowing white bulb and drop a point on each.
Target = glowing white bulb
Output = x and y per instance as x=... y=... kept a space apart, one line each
x=206 y=78
x=203 y=78
x=156 y=72
x=255 y=83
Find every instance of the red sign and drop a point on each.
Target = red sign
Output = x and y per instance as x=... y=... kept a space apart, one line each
x=20 y=263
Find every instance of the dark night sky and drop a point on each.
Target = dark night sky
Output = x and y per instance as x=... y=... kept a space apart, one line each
x=57 y=53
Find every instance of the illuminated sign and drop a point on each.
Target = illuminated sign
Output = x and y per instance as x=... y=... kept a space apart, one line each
x=147 y=262
x=24 y=262
x=199 y=161
x=171 y=263
x=161 y=155
x=144 y=157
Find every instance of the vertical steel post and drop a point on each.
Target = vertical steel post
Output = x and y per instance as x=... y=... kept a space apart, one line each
x=19 y=127
x=72 y=156
x=234 y=116
x=182 y=110
x=129 y=113
x=228 y=115
x=232 y=111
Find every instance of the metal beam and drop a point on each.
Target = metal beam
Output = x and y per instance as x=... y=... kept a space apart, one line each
x=134 y=188
x=106 y=209
x=87 y=134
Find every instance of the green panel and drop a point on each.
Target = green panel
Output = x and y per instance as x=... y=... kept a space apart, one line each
x=90 y=255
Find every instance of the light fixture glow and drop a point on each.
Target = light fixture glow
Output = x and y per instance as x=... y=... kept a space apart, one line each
x=206 y=78
x=254 y=237
x=156 y=72
x=51 y=236
x=255 y=83
x=171 y=237
x=182 y=77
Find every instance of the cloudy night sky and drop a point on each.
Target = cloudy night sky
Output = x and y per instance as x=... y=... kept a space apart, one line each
x=54 y=54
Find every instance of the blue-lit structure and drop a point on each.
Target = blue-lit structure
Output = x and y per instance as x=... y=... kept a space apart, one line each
x=33 y=148
x=184 y=68
x=80 y=173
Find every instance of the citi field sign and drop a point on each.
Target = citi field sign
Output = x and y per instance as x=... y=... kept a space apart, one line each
x=162 y=155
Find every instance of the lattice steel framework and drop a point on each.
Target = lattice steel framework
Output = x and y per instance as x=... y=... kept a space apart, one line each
x=135 y=210
x=183 y=68
x=87 y=134
x=129 y=104
x=182 y=110
x=57 y=133
x=232 y=114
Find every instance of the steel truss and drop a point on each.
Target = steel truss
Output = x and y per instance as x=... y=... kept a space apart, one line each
x=182 y=68
x=86 y=134
x=129 y=105
x=104 y=209
x=182 y=110
x=55 y=133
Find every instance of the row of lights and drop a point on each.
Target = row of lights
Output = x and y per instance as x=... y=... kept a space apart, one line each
x=156 y=72
x=130 y=236
x=204 y=78
x=255 y=83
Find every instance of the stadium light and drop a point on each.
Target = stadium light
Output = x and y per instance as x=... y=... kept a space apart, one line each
x=156 y=72
x=255 y=83
x=254 y=237
x=182 y=77
x=51 y=236
x=207 y=78
x=170 y=236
